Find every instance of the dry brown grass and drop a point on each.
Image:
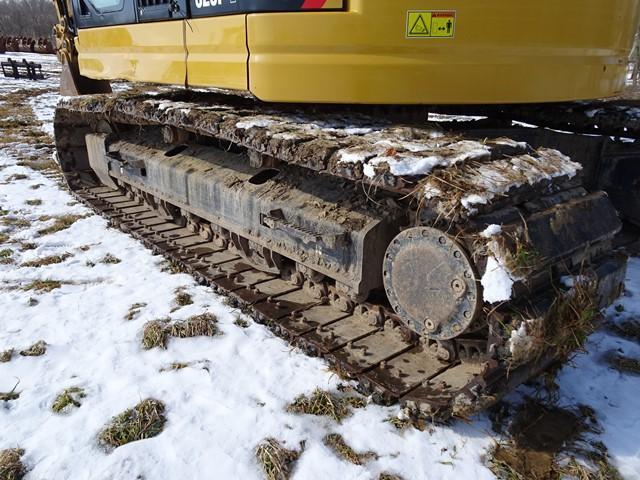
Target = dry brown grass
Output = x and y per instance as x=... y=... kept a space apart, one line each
x=239 y=321
x=36 y=350
x=203 y=325
x=145 y=420
x=11 y=466
x=17 y=222
x=109 y=259
x=337 y=443
x=625 y=364
x=24 y=246
x=277 y=462
x=43 y=285
x=183 y=298
x=389 y=476
x=44 y=261
x=61 y=223
x=322 y=403
x=67 y=399
x=134 y=310
x=628 y=329
x=155 y=334
x=34 y=202
x=6 y=356
x=6 y=256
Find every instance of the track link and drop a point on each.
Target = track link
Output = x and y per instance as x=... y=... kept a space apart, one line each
x=385 y=362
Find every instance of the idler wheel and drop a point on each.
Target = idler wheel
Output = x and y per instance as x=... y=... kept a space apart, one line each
x=431 y=283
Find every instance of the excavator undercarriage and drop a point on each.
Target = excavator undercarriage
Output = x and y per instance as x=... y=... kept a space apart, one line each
x=437 y=264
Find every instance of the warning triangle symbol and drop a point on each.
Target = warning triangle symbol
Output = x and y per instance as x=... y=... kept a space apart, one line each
x=419 y=27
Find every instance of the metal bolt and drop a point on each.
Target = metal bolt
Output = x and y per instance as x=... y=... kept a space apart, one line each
x=429 y=325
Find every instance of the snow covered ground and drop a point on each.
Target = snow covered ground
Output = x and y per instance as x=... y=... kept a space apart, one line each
x=236 y=390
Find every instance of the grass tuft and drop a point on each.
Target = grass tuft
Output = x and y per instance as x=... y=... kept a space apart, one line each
x=17 y=176
x=36 y=350
x=109 y=259
x=203 y=325
x=134 y=310
x=11 y=466
x=34 y=202
x=337 y=443
x=389 y=476
x=38 y=165
x=276 y=461
x=322 y=403
x=42 y=285
x=6 y=256
x=28 y=246
x=239 y=321
x=398 y=423
x=145 y=420
x=44 y=261
x=17 y=222
x=183 y=298
x=627 y=329
x=4 y=238
x=6 y=356
x=154 y=334
x=68 y=398
x=61 y=223
x=625 y=364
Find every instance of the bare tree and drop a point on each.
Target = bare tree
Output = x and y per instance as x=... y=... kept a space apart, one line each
x=30 y=18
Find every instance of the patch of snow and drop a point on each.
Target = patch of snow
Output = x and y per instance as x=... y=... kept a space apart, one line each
x=491 y=231
x=497 y=283
x=256 y=122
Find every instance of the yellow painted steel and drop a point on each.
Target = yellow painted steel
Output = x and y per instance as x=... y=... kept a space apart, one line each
x=217 y=52
x=148 y=52
x=501 y=51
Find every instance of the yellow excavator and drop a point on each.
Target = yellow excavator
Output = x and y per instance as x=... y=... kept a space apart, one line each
x=413 y=190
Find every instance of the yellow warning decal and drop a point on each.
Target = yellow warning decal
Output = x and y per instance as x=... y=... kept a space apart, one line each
x=436 y=24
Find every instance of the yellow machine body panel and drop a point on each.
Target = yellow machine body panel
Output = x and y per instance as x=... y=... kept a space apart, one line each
x=384 y=52
x=218 y=52
x=144 y=52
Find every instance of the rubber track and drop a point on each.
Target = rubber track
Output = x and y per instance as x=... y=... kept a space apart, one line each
x=380 y=359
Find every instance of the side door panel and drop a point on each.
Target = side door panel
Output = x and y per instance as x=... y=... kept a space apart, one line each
x=111 y=45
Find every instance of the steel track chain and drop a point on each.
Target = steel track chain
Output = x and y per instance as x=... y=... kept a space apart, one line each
x=379 y=358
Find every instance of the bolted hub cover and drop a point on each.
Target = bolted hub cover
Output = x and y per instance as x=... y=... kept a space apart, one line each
x=431 y=283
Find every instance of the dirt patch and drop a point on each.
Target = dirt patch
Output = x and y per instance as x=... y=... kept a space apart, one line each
x=145 y=420
x=551 y=443
x=277 y=462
